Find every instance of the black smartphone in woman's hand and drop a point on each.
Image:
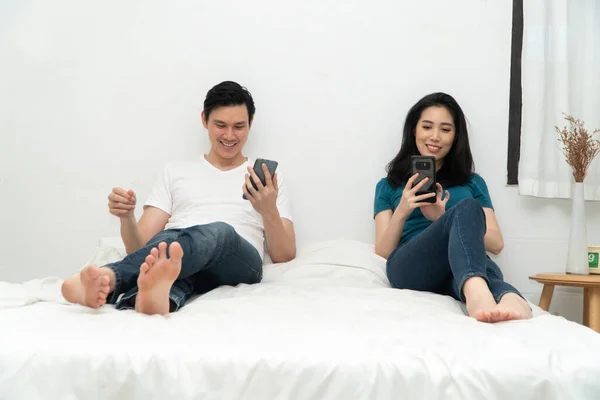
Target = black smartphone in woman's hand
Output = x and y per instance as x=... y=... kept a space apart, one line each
x=425 y=166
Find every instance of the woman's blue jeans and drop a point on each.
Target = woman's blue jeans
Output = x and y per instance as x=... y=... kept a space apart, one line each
x=450 y=251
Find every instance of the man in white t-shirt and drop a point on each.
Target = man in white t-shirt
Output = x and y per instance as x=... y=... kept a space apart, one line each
x=196 y=232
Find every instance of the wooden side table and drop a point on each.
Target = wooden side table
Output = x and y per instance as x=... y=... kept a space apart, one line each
x=591 y=294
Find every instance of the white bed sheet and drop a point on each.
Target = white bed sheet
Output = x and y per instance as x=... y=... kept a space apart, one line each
x=325 y=326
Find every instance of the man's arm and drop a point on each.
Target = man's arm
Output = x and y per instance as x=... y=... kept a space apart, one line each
x=280 y=236
x=136 y=234
x=122 y=203
x=279 y=232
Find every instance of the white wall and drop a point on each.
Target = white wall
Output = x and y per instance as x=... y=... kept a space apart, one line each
x=101 y=94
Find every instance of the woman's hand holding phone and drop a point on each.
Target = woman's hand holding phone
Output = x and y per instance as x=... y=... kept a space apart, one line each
x=411 y=201
x=432 y=211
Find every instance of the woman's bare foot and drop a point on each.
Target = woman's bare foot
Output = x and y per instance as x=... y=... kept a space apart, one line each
x=479 y=298
x=157 y=275
x=482 y=306
x=90 y=287
x=511 y=307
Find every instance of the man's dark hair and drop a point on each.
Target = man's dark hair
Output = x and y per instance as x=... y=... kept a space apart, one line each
x=228 y=93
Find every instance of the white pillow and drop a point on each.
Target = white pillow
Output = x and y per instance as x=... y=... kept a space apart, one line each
x=337 y=262
x=110 y=249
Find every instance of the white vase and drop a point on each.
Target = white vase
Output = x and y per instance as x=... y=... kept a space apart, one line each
x=577 y=257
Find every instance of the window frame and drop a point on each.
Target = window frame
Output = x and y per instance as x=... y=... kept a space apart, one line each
x=516 y=95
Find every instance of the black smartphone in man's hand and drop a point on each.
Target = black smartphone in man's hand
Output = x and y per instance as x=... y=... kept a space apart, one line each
x=425 y=166
x=271 y=166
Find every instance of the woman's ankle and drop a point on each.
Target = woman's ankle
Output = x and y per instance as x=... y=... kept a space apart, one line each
x=477 y=295
x=476 y=287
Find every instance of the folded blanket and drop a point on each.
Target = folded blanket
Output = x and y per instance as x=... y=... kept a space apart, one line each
x=12 y=295
x=22 y=294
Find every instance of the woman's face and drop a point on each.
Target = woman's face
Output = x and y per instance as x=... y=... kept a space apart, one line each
x=434 y=133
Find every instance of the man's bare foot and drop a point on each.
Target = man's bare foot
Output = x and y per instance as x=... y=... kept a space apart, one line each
x=157 y=275
x=90 y=287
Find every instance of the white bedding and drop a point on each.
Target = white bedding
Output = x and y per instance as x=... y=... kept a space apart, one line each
x=325 y=326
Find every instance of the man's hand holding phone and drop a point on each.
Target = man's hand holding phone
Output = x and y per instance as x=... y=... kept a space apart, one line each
x=264 y=197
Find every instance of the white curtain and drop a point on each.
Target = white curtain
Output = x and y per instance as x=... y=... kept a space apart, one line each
x=560 y=73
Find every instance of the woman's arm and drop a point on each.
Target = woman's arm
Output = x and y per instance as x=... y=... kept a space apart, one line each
x=494 y=243
x=389 y=225
x=388 y=230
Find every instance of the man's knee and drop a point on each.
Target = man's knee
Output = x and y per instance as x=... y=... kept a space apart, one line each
x=224 y=231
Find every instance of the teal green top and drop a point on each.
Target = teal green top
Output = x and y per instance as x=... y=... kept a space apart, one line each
x=388 y=198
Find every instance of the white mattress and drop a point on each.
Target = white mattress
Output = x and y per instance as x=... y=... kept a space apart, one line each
x=325 y=326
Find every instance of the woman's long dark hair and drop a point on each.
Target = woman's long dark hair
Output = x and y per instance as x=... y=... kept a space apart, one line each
x=457 y=168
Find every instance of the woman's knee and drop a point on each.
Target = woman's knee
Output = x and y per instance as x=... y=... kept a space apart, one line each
x=469 y=204
x=470 y=209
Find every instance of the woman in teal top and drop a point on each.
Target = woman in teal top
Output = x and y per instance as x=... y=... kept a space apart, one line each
x=441 y=247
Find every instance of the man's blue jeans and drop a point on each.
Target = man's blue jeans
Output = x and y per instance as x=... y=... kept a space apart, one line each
x=213 y=255
x=450 y=251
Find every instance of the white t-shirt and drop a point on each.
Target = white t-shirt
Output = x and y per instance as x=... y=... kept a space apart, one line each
x=197 y=193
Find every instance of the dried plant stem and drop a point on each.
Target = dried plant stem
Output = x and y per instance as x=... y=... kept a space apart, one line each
x=578 y=146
